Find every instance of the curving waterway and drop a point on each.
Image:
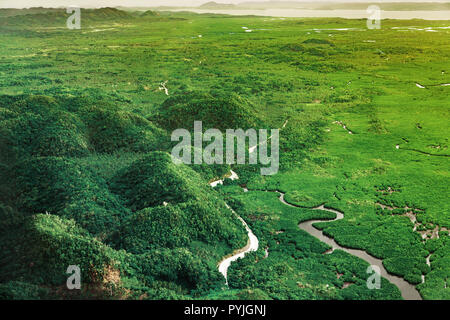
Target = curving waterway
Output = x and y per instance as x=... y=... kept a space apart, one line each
x=252 y=243
x=407 y=290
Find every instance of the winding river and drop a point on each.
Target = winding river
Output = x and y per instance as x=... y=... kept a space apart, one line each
x=252 y=243
x=408 y=291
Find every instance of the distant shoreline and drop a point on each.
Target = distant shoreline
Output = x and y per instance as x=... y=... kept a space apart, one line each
x=300 y=13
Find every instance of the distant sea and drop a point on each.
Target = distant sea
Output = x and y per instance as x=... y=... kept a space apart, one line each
x=350 y=14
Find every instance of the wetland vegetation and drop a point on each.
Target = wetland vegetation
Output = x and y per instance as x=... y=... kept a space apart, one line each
x=86 y=176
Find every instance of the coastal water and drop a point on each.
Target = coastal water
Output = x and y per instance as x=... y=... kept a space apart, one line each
x=349 y=14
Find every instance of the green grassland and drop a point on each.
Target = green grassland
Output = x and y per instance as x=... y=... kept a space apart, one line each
x=85 y=176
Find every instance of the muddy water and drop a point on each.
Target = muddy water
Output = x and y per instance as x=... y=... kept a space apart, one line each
x=407 y=290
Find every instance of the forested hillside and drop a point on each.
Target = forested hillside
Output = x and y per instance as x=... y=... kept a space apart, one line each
x=148 y=221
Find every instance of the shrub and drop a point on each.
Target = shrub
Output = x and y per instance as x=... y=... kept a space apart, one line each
x=181 y=266
x=17 y=290
x=48 y=245
x=37 y=126
x=56 y=134
x=37 y=104
x=318 y=41
x=165 y=226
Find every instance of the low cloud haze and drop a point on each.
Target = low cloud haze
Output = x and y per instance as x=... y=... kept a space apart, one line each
x=150 y=3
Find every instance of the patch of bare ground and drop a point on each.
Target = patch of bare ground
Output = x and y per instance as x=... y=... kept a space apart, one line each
x=105 y=286
x=425 y=231
x=304 y=285
x=346 y=285
x=343 y=126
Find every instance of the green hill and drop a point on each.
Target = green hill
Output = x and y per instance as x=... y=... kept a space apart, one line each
x=180 y=206
x=131 y=132
x=58 y=207
x=45 y=126
x=215 y=109
x=215 y=5
x=58 y=17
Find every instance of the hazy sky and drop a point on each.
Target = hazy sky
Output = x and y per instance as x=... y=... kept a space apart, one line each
x=150 y=3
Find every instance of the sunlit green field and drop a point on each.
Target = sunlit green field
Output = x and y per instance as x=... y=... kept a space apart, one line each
x=384 y=85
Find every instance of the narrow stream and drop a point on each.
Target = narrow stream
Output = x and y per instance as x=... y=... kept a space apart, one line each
x=252 y=243
x=407 y=290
